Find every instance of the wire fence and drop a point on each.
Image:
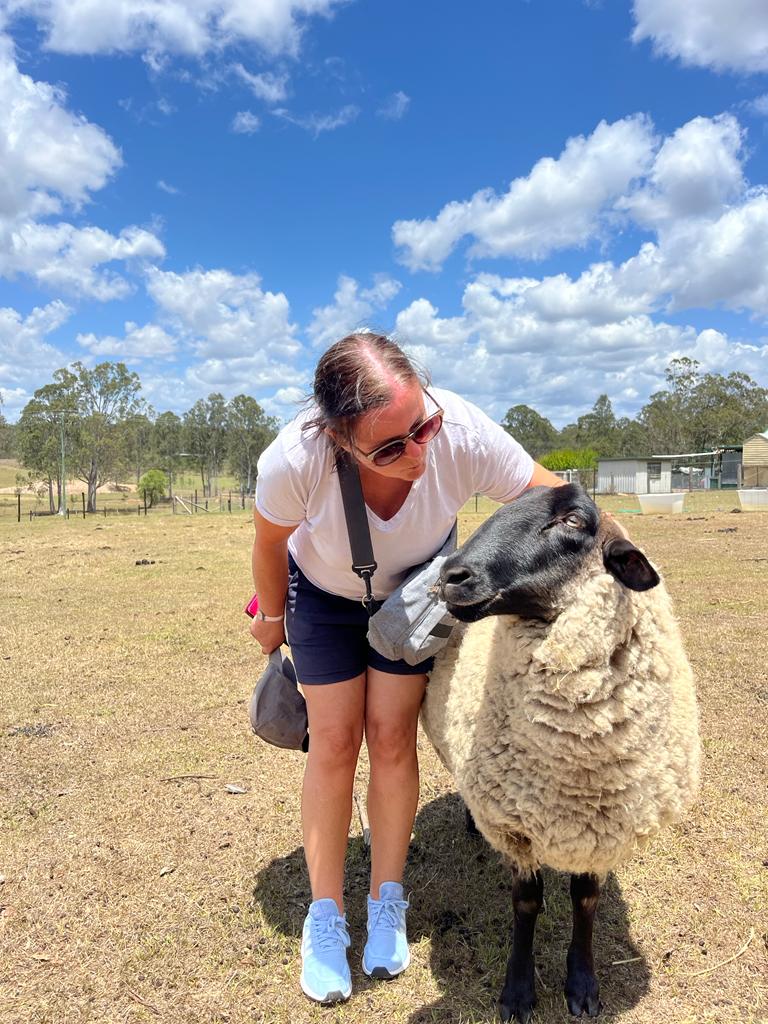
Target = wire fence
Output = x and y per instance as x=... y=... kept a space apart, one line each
x=30 y=506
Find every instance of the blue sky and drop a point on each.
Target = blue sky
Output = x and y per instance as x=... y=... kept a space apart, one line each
x=543 y=200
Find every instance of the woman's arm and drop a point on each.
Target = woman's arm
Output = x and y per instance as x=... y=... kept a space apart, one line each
x=270 y=576
x=545 y=477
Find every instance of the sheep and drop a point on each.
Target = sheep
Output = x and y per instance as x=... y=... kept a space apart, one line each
x=564 y=708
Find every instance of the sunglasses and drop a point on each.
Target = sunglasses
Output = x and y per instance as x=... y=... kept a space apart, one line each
x=422 y=433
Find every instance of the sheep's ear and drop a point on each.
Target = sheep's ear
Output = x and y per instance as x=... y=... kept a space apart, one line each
x=629 y=565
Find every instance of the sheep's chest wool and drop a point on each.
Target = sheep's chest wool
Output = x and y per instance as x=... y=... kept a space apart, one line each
x=571 y=742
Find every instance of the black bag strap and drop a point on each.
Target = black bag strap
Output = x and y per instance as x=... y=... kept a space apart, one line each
x=363 y=562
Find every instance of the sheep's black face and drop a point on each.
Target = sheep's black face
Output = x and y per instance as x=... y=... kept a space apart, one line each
x=519 y=559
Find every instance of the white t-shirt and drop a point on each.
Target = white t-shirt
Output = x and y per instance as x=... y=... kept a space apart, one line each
x=297 y=485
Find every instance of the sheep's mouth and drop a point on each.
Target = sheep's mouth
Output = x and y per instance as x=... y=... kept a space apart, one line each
x=465 y=605
x=471 y=612
x=503 y=602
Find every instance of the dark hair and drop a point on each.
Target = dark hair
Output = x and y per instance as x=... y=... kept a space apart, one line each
x=355 y=375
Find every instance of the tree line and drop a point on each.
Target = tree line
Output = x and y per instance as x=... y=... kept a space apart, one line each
x=96 y=423
x=695 y=412
x=109 y=432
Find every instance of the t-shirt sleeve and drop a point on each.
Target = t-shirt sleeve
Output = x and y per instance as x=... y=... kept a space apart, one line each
x=502 y=468
x=281 y=491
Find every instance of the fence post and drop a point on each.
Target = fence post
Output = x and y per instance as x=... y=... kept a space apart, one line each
x=145 y=503
x=82 y=495
x=195 y=499
x=229 y=502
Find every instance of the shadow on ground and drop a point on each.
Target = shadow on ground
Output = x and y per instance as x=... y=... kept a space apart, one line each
x=461 y=899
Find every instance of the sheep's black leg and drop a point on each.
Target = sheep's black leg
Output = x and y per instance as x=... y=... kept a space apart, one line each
x=518 y=996
x=581 y=988
x=472 y=828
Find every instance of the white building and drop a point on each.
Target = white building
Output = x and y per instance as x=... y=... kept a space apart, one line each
x=634 y=476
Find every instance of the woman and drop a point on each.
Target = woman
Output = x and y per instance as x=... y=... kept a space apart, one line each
x=421 y=454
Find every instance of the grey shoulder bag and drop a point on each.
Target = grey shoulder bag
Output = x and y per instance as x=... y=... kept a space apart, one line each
x=413 y=623
x=278 y=711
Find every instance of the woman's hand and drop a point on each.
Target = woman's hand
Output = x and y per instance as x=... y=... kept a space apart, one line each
x=269 y=634
x=270 y=577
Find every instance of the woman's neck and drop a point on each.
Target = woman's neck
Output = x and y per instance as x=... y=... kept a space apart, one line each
x=384 y=495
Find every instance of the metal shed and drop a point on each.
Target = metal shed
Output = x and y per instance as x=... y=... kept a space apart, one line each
x=755 y=461
x=639 y=475
x=663 y=474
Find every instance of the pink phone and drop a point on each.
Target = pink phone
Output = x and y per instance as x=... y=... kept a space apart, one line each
x=253 y=606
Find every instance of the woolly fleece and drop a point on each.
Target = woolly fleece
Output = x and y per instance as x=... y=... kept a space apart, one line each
x=571 y=742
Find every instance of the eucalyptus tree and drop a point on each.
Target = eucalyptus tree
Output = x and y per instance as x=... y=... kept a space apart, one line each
x=137 y=436
x=530 y=429
x=205 y=437
x=105 y=396
x=249 y=431
x=7 y=435
x=45 y=435
x=167 y=444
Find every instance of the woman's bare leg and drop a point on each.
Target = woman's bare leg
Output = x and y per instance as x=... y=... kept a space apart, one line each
x=391 y=717
x=336 y=713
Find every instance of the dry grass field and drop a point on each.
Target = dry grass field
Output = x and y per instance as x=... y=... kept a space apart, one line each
x=135 y=888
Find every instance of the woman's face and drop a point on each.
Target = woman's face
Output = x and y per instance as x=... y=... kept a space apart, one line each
x=406 y=409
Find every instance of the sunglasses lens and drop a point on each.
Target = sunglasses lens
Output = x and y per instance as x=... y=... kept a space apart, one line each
x=390 y=454
x=428 y=429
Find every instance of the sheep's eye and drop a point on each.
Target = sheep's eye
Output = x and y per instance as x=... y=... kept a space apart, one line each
x=575 y=521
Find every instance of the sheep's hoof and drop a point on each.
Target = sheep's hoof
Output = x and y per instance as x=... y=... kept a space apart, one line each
x=582 y=992
x=517 y=1001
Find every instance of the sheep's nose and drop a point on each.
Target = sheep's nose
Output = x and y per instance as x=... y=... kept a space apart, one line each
x=456 y=583
x=456 y=574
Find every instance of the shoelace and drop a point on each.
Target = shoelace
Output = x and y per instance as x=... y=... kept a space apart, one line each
x=331 y=932
x=388 y=911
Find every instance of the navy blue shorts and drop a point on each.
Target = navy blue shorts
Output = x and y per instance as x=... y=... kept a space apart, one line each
x=328 y=636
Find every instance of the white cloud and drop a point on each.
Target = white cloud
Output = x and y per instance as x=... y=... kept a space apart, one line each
x=25 y=357
x=52 y=159
x=248 y=376
x=241 y=335
x=719 y=34
x=351 y=308
x=192 y=27
x=49 y=156
x=560 y=204
x=171 y=190
x=245 y=123
x=419 y=323
x=759 y=105
x=696 y=173
x=696 y=263
x=395 y=106
x=146 y=112
x=316 y=124
x=270 y=87
x=501 y=352
x=63 y=257
x=147 y=342
x=225 y=316
x=710 y=246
